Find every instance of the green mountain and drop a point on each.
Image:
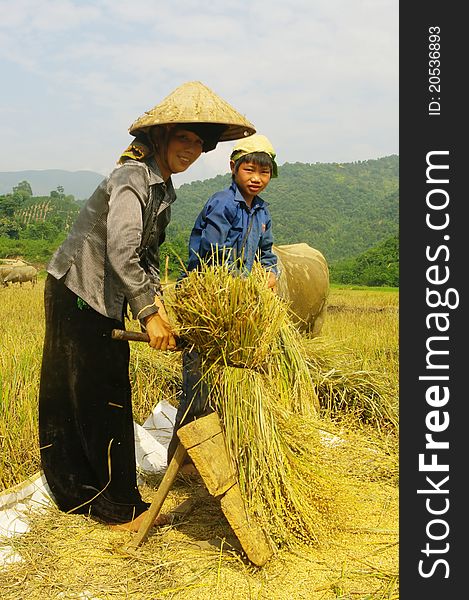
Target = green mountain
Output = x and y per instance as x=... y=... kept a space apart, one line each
x=378 y=266
x=340 y=209
x=344 y=210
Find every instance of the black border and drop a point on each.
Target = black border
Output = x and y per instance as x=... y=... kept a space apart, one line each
x=421 y=133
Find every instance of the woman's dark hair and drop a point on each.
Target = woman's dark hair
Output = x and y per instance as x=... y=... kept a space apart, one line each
x=210 y=133
x=262 y=159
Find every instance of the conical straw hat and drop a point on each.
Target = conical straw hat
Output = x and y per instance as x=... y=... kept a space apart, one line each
x=194 y=102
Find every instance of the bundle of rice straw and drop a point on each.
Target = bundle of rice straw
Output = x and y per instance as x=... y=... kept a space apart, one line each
x=259 y=383
x=344 y=387
x=235 y=320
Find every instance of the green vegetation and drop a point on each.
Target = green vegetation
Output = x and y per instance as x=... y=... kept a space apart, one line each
x=347 y=211
x=34 y=226
x=350 y=212
x=340 y=209
x=378 y=266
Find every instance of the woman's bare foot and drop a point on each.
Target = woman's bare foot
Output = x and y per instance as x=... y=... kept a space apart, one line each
x=134 y=525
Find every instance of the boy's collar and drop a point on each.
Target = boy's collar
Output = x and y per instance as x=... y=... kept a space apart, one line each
x=257 y=200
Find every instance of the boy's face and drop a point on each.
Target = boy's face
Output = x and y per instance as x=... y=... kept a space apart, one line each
x=251 y=179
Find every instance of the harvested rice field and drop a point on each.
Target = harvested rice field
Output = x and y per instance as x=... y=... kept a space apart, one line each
x=353 y=367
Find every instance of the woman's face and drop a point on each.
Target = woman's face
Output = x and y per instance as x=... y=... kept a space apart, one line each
x=184 y=148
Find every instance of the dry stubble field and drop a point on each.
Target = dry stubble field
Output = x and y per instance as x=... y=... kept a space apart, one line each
x=197 y=558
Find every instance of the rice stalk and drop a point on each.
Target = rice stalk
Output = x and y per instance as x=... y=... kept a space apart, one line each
x=343 y=387
x=231 y=318
x=259 y=382
x=276 y=456
x=290 y=372
x=173 y=563
x=153 y=379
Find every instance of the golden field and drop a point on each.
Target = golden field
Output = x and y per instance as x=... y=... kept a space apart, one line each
x=68 y=555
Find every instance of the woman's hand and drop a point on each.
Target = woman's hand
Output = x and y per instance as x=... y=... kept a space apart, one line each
x=159 y=328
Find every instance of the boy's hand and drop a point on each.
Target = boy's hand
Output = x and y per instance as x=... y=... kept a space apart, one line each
x=272 y=282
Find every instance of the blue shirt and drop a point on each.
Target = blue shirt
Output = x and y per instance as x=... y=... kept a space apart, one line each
x=237 y=232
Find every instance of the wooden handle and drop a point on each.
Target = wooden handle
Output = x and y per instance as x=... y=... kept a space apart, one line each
x=160 y=496
x=137 y=336
x=130 y=336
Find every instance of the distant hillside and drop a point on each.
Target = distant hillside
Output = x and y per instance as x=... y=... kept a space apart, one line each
x=340 y=209
x=343 y=210
x=377 y=266
x=80 y=184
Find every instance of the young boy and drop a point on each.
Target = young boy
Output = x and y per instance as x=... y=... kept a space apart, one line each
x=234 y=228
x=235 y=224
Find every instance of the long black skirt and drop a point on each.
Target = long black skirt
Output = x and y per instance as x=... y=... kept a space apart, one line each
x=86 y=430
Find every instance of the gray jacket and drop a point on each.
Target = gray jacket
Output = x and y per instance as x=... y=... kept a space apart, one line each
x=112 y=252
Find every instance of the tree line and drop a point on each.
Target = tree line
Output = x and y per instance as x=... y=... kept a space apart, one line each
x=34 y=226
x=347 y=211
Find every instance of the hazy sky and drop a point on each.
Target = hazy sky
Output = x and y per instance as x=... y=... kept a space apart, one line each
x=318 y=77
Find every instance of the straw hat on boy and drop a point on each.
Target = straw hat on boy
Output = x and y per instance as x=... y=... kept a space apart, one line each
x=255 y=143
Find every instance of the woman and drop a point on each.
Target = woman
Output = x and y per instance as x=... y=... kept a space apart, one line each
x=108 y=263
